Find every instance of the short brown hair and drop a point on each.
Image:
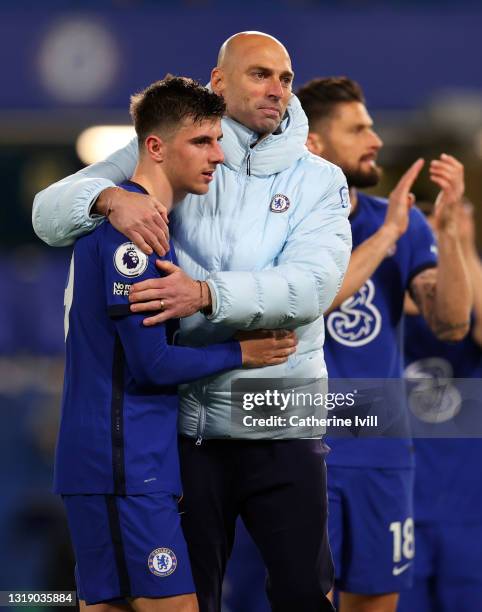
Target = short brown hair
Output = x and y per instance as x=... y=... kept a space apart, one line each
x=320 y=97
x=163 y=105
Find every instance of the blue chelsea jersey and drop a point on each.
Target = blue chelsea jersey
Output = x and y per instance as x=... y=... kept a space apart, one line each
x=447 y=480
x=118 y=430
x=363 y=335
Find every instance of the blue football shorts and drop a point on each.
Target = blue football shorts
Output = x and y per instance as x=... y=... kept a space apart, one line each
x=448 y=566
x=371 y=528
x=128 y=546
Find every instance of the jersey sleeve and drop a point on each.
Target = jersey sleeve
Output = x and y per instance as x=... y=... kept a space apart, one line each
x=150 y=358
x=423 y=245
x=123 y=264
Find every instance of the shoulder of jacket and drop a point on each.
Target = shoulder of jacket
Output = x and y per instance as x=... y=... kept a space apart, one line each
x=318 y=168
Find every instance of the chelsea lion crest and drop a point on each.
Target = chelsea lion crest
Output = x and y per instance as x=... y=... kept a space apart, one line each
x=162 y=562
x=129 y=260
x=279 y=203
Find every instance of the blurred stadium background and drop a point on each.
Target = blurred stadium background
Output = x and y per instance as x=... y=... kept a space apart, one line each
x=71 y=65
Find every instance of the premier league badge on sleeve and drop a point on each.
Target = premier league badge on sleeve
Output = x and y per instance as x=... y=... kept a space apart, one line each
x=345 y=197
x=279 y=203
x=162 y=562
x=129 y=260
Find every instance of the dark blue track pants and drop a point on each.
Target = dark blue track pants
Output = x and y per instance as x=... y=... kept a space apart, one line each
x=279 y=489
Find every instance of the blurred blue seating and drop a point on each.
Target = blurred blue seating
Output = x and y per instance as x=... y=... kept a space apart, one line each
x=31 y=311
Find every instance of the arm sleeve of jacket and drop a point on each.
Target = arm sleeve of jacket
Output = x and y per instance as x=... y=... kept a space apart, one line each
x=61 y=212
x=307 y=275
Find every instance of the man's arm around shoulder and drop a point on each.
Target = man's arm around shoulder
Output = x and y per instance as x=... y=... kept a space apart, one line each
x=62 y=212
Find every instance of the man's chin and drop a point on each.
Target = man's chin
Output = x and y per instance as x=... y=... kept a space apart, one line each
x=265 y=126
x=199 y=189
x=363 y=180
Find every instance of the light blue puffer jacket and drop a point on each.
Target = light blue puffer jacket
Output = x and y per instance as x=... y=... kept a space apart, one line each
x=272 y=238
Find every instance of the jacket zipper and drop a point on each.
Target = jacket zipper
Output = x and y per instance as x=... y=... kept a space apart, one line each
x=201 y=421
x=202 y=410
x=225 y=258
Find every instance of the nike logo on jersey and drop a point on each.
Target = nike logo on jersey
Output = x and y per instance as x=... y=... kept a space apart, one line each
x=399 y=570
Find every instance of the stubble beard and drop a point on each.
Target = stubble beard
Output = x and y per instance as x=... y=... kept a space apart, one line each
x=363 y=180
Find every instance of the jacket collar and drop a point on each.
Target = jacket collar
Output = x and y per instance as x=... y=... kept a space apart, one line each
x=274 y=153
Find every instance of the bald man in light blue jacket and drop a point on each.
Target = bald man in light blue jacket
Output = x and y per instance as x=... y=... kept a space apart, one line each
x=270 y=244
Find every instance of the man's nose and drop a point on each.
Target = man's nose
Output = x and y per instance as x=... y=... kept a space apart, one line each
x=275 y=88
x=217 y=154
x=377 y=142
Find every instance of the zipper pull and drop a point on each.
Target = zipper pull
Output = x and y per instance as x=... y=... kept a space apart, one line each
x=199 y=441
x=248 y=164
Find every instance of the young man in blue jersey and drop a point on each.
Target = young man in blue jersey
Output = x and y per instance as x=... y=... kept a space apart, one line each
x=117 y=464
x=370 y=480
x=272 y=240
x=448 y=488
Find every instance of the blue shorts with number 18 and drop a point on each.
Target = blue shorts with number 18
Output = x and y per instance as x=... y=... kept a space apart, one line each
x=371 y=528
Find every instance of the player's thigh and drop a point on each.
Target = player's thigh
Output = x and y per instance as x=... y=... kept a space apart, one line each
x=104 y=607
x=375 y=535
x=128 y=546
x=350 y=602
x=96 y=571
x=419 y=598
x=422 y=596
x=155 y=550
x=180 y=603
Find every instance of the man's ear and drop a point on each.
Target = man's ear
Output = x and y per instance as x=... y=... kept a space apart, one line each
x=217 y=80
x=155 y=148
x=315 y=143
